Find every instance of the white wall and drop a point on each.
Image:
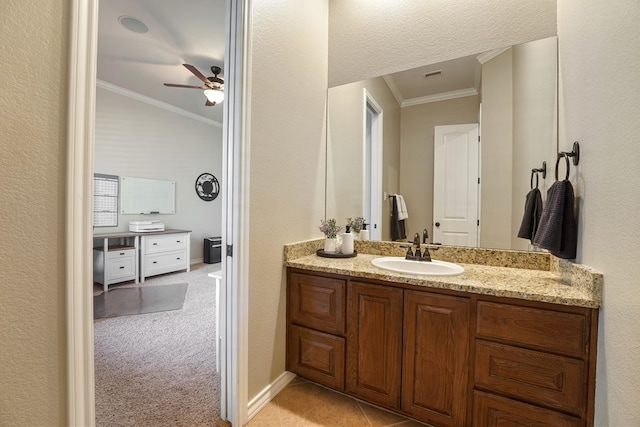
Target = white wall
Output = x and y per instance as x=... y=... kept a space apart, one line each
x=600 y=107
x=497 y=151
x=534 y=124
x=137 y=139
x=288 y=70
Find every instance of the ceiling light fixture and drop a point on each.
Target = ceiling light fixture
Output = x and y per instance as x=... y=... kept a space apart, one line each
x=133 y=24
x=214 y=96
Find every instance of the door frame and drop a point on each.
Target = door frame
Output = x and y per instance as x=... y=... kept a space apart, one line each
x=373 y=164
x=82 y=67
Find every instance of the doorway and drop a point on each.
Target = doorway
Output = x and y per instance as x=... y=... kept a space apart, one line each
x=82 y=75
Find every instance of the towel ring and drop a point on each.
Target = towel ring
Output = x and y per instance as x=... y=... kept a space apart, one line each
x=575 y=153
x=543 y=170
x=534 y=172
x=560 y=156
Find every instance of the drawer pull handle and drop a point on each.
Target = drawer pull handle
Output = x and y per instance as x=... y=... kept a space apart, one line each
x=155 y=262
x=121 y=253
x=178 y=258
x=122 y=268
x=177 y=241
x=155 y=244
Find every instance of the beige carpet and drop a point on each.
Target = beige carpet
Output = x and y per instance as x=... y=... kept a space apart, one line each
x=158 y=369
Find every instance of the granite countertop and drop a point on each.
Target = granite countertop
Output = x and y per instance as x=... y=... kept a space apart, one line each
x=561 y=283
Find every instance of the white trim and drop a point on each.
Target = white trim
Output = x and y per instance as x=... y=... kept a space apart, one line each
x=268 y=393
x=391 y=83
x=377 y=144
x=79 y=262
x=444 y=96
x=235 y=269
x=151 y=101
x=488 y=56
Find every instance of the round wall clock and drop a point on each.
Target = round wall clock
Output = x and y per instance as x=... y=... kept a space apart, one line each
x=207 y=187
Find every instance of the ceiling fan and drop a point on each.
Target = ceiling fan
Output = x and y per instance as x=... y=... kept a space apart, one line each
x=213 y=86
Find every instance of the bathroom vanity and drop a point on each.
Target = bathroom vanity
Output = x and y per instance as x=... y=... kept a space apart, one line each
x=494 y=345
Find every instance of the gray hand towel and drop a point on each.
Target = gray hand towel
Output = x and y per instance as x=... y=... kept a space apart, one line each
x=558 y=229
x=532 y=213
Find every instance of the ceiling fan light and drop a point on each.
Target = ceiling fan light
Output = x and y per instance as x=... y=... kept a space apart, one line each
x=214 y=96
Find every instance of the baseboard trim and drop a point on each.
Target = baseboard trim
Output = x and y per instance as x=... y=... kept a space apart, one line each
x=268 y=393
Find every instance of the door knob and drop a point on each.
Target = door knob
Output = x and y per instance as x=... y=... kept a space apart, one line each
x=437 y=224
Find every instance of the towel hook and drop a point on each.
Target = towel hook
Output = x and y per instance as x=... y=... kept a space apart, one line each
x=576 y=158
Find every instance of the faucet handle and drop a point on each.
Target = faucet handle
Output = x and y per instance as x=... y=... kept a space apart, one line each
x=408 y=247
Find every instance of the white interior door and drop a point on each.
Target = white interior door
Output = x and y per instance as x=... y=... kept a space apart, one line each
x=456 y=181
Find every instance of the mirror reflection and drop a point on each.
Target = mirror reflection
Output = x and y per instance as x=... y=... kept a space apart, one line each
x=456 y=140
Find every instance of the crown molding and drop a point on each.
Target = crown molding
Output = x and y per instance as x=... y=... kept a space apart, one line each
x=391 y=83
x=488 y=56
x=440 y=97
x=148 y=100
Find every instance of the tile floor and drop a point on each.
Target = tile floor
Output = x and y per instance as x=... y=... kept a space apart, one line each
x=302 y=403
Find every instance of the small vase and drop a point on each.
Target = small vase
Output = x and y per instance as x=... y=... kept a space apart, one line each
x=330 y=244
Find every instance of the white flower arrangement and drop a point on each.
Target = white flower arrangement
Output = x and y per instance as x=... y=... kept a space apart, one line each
x=330 y=228
x=356 y=224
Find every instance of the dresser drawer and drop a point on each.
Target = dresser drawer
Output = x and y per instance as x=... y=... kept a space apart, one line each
x=121 y=269
x=165 y=262
x=534 y=376
x=555 y=331
x=496 y=411
x=316 y=356
x=318 y=302
x=165 y=242
x=121 y=253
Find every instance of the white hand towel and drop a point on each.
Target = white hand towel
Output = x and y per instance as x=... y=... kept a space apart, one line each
x=402 y=208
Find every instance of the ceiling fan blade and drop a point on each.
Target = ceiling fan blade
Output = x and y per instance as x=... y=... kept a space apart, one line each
x=187 y=86
x=196 y=73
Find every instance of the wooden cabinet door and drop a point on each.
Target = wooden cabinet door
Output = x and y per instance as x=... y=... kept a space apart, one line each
x=436 y=354
x=374 y=343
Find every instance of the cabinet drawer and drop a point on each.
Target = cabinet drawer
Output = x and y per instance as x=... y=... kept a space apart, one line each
x=494 y=411
x=316 y=356
x=556 y=331
x=121 y=253
x=121 y=268
x=166 y=262
x=530 y=375
x=318 y=302
x=165 y=242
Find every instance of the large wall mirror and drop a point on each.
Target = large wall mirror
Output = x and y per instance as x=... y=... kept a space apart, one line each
x=382 y=140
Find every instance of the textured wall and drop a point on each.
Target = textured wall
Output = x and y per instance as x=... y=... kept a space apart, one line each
x=600 y=105
x=32 y=203
x=369 y=39
x=141 y=140
x=287 y=160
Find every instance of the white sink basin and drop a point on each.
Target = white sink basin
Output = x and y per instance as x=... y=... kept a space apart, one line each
x=426 y=268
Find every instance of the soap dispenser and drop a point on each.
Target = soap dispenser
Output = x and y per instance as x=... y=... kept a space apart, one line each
x=347 y=241
x=364 y=233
